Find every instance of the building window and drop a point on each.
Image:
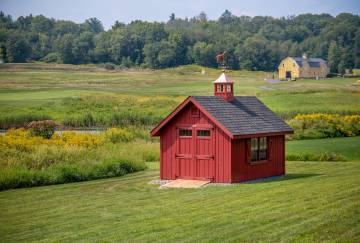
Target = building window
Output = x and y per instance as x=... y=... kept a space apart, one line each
x=221 y=88
x=262 y=148
x=254 y=149
x=258 y=149
x=203 y=133
x=228 y=87
x=185 y=133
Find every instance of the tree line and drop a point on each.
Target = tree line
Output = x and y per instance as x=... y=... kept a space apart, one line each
x=252 y=43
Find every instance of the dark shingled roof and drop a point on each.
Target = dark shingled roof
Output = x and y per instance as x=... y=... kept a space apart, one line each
x=244 y=115
x=313 y=62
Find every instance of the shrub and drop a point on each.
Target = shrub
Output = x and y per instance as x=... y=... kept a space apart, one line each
x=18 y=177
x=324 y=125
x=324 y=156
x=109 y=66
x=116 y=135
x=31 y=161
x=43 y=129
x=53 y=57
x=81 y=139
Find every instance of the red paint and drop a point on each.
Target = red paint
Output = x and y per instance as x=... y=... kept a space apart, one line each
x=227 y=94
x=224 y=87
x=219 y=157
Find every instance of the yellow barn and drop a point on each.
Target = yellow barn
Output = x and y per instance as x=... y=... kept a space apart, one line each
x=302 y=67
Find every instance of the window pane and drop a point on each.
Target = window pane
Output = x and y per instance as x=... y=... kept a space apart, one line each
x=263 y=144
x=221 y=88
x=263 y=154
x=228 y=88
x=254 y=149
x=263 y=149
x=185 y=132
x=203 y=133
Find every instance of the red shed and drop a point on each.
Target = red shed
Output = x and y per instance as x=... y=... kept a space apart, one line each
x=224 y=138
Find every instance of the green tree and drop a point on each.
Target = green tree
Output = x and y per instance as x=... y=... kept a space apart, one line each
x=334 y=57
x=257 y=53
x=93 y=25
x=17 y=48
x=160 y=54
x=64 y=45
x=204 y=54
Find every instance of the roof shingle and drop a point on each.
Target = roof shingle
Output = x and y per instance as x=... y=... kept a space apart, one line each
x=244 y=115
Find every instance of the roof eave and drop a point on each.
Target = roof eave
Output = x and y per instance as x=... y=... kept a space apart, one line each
x=265 y=134
x=156 y=130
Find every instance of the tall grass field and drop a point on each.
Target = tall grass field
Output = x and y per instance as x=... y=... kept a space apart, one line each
x=87 y=96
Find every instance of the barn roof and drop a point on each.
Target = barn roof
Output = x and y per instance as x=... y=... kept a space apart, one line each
x=243 y=116
x=313 y=62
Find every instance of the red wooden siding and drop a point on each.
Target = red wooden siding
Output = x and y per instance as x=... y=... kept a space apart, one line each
x=243 y=170
x=217 y=157
x=195 y=157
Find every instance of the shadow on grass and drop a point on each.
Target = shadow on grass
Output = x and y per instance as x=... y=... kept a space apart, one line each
x=285 y=177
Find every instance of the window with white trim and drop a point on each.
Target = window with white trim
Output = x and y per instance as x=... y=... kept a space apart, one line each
x=259 y=149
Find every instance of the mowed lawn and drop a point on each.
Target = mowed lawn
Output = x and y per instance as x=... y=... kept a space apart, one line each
x=348 y=147
x=314 y=202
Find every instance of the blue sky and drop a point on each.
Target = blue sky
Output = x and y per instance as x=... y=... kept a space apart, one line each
x=159 y=10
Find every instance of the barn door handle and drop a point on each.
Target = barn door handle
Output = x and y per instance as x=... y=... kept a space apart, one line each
x=183 y=156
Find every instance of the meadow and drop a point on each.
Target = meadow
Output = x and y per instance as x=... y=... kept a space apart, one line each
x=88 y=96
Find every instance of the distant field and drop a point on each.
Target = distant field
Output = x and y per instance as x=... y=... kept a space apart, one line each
x=314 y=202
x=47 y=89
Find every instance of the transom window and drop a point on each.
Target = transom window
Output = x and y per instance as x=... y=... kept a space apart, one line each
x=258 y=149
x=185 y=133
x=203 y=133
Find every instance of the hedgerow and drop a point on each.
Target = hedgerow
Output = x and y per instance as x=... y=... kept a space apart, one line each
x=321 y=156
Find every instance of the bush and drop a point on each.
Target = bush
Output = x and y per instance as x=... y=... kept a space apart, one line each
x=324 y=126
x=43 y=129
x=19 y=177
x=325 y=156
x=116 y=135
x=109 y=66
x=31 y=161
x=53 y=57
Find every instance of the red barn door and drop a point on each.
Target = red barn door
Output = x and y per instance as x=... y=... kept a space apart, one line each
x=184 y=154
x=195 y=153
